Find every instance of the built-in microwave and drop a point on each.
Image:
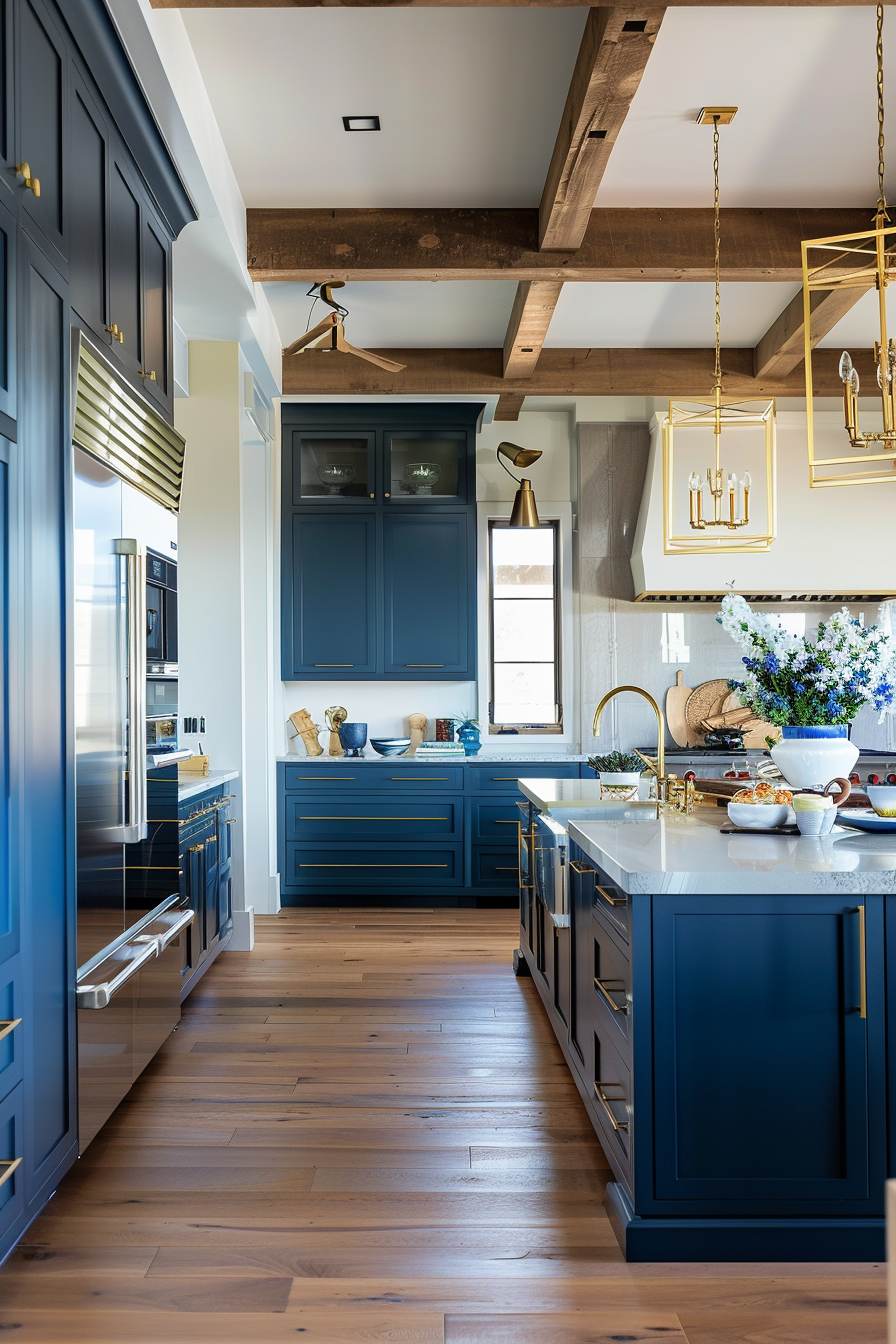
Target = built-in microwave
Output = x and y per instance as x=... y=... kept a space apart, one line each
x=161 y=615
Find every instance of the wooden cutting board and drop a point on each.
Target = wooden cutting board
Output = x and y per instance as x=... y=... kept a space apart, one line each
x=754 y=739
x=676 y=705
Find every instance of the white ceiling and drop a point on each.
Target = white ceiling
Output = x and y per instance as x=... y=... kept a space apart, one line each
x=469 y=100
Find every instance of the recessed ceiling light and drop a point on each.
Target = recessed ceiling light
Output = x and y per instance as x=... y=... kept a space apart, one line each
x=361 y=123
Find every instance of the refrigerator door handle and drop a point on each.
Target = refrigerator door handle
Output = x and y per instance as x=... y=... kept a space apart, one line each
x=136 y=808
x=99 y=996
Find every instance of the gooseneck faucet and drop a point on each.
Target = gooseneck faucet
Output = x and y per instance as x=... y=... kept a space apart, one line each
x=660 y=735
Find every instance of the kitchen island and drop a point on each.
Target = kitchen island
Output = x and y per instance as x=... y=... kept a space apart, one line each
x=723 y=1007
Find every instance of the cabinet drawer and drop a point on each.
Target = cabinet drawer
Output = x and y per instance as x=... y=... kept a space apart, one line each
x=612 y=986
x=495 y=868
x=12 y=1136
x=612 y=1098
x=388 y=778
x=503 y=777
x=366 y=866
x=494 y=821
x=612 y=905
x=362 y=819
x=11 y=1041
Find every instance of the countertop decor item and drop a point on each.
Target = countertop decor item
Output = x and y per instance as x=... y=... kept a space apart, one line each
x=352 y=737
x=417 y=729
x=524 y=512
x=883 y=799
x=390 y=746
x=468 y=734
x=676 y=720
x=335 y=717
x=445 y=729
x=865 y=819
x=307 y=731
x=811 y=688
x=722 y=512
x=420 y=477
x=701 y=704
x=329 y=334
x=865 y=261
x=619 y=773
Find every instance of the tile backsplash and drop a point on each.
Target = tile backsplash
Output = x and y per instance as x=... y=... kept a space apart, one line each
x=624 y=642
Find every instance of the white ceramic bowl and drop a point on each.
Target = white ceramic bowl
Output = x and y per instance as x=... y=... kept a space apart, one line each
x=882 y=798
x=758 y=816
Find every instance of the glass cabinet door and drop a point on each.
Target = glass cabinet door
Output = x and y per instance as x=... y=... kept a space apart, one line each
x=332 y=467
x=426 y=467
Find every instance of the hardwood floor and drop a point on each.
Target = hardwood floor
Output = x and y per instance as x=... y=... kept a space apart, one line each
x=364 y=1131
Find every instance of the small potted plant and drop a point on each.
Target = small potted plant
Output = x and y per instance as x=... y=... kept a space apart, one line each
x=619 y=774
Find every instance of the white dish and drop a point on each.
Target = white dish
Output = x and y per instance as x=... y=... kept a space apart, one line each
x=883 y=799
x=760 y=816
x=865 y=819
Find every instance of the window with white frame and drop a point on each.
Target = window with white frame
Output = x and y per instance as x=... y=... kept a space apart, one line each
x=524 y=628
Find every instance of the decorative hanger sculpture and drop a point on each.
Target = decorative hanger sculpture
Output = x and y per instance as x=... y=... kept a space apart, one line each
x=329 y=334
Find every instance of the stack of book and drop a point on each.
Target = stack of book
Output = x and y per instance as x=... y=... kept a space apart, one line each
x=439 y=751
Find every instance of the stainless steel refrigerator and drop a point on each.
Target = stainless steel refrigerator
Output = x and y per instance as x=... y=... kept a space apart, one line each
x=129 y=959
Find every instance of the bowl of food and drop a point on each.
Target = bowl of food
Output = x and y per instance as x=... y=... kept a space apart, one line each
x=761 y=808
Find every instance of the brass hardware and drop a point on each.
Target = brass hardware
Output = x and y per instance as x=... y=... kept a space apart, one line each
x=331 y=777
x=505 y=870
x=334 y=664
x=231 y=822
x=580 y=868
x=615 y=901
x=9 y=1025
x=369 y=819
x=195 y=848
x=660 y=735
x=32 y=183
x=863 y=984
x=373 y=865
x=148 y=373
x=116 y=333
x=10 y=1166
x=707 y=116
x=504 y=779
x=601 y=987
x=605 y=1102
x=424 y=664
x=387 y=495
x=372 y=495
x=505 y=823
x=439 y=779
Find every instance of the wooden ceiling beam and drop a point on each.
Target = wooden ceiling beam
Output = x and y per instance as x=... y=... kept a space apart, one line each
x=613 y=55
x=509 y=405
x=653 y=245
x=782 y=347
x=470 y=4
x=530 y=318
x=559 y=373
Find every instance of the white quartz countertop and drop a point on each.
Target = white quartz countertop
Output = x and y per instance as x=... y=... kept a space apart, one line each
x=548 y=793
x=689 y=854
x=370 y=758
x=188 y=786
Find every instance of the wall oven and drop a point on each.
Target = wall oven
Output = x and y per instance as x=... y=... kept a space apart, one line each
x=161 y=615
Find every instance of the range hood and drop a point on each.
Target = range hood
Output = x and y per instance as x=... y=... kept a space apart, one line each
x=832 y=544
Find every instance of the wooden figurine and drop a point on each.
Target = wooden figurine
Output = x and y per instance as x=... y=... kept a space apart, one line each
x=335 y=717
x=417 y=725
x=307 y=731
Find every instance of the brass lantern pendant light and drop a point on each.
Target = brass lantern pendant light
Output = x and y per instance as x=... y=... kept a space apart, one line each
x=717 y=514
x=859 y=263
x=524 y=512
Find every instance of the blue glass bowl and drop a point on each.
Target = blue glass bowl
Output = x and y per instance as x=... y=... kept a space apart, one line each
x=390 y=746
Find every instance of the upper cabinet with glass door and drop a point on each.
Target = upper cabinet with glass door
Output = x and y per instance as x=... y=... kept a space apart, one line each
x=426 y=467
x=333 y=468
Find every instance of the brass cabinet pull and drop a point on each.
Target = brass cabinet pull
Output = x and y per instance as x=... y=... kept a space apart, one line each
x=605 y=1102
x=116 y=333
x=372 y=495
x=331 y=777
x=334 y=664
x=580 y=868
x=32 y=183
x=505 y=823
x=863 y=983
x=148 y=373
x=602 y=987
x=373 y=865
x=387 y=495
x=399 y=779
x=610 y=900
x=371 y=819
x=9 y=1166
x=231 y=822
x=195 y=848
x=505 y=870
x=9 y=1025
x=422 y=664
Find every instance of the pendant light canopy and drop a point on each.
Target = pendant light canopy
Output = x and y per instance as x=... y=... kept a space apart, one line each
x=524 y=512
x=727 y=511
x=859 y=262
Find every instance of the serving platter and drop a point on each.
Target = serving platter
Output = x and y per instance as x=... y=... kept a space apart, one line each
x=865 y=819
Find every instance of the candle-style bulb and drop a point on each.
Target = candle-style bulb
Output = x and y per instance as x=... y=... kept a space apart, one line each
x=747 y=481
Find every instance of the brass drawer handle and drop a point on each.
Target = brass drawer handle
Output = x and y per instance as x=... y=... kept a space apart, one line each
x=334 y=664
x=424 y=664
x=863 y=982
x=9 y=1025
x=619 y=986
x=505 y=870
x=330 y=777
x=231 y=822
x=148 y=373
x=371 y=819
x=605 y=1102
x=400 y=779
x=195 y=848
x=615 y=901
x=505 y=823
x=116 y=333
x=9 y=1166
x=31 y=183
x=505 y=779
x=580 y=868
x=373 y=865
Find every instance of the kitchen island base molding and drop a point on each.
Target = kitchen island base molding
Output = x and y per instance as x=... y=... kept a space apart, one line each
x=753 y=1240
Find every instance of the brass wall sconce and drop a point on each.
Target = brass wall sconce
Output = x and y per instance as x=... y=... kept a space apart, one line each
x=524 y=512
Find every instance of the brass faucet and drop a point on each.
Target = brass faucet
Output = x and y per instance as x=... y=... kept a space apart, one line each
x=670 y=791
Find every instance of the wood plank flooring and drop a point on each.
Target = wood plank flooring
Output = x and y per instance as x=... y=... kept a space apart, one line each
x=365 y=1131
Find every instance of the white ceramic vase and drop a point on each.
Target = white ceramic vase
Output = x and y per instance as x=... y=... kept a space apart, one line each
x=809 y=758
x=619 y=784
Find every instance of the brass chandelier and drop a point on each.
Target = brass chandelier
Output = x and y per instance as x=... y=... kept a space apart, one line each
x=717 y=516
x=862 y=262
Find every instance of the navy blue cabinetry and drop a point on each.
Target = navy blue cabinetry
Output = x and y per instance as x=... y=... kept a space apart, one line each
x=205 y=847
x=378 y=551
x=731 y=1051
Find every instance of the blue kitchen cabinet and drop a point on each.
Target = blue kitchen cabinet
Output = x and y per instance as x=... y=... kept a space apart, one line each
x=429 y=596
x=378 y=581
x=42 y=125
x=205 y=844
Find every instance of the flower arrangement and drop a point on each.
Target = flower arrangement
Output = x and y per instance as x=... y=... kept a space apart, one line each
x=793 y=680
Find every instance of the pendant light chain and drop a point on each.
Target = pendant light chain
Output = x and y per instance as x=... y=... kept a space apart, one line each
x=718 y=241
x=881 y=197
